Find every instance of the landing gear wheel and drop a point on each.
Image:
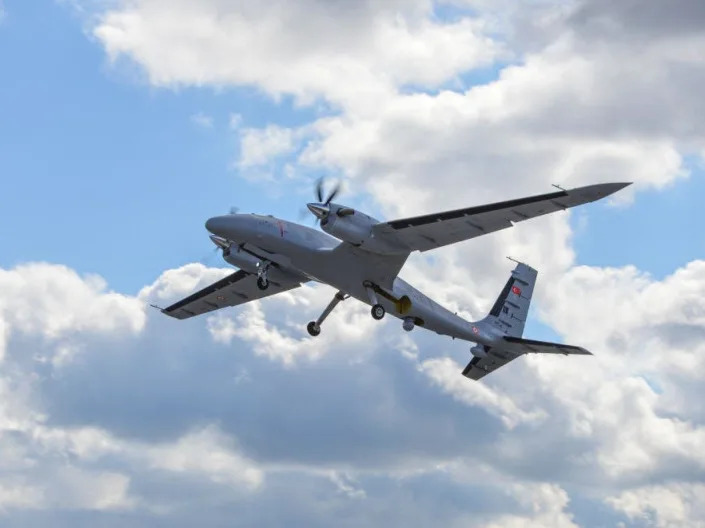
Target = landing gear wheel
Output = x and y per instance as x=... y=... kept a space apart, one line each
x=313 y=329
x=262 y=283
x=378 y=312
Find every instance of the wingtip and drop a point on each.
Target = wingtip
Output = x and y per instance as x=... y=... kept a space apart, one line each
x=617 y=186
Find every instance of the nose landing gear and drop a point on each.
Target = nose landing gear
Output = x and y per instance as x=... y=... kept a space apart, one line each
x=262 y=278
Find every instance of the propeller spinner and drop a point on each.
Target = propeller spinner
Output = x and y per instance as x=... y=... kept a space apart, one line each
x=321 y=209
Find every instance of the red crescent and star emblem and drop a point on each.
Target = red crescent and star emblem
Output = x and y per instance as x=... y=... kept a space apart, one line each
x=516 y=290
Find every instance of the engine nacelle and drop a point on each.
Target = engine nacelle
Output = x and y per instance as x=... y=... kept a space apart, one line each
x=242 y=259
x=479 y=351
x=348 y=224
x=408 y=324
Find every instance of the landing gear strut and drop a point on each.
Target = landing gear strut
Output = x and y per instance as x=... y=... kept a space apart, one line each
x=262 y=278
x=314 y=327
x=378 y=310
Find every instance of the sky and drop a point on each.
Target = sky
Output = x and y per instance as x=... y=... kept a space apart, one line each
x=124 y=125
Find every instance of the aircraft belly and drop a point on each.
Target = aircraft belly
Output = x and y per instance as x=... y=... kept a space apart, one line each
x=348 y=275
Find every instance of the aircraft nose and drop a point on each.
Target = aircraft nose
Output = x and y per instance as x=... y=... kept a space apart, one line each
x=216 y=225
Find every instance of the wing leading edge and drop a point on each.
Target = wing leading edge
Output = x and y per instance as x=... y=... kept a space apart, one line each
x=431 y=231
x=237 y=288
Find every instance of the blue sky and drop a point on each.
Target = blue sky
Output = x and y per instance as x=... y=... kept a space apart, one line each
x=113 y=414
x=106 y=174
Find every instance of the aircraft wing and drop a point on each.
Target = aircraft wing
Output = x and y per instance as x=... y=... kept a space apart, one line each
x=238 y=288
x=512 y=348
x=435 y=230
x=380 y=269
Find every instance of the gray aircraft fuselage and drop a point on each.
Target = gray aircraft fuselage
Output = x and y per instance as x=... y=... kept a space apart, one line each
x=306 y=253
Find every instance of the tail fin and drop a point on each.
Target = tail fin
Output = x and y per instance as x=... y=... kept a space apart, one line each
x=509 y=316
x=512 y=306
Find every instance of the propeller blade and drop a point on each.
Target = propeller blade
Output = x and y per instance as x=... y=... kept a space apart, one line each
x=319 y=190
x=333 y=193
x=207 y=259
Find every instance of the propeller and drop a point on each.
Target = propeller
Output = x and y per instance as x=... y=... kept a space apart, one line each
x=221 y=244
x=333 y=193
x=207 y=259
x=321 y=208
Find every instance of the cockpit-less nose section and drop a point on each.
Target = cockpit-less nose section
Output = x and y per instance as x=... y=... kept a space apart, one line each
x=361 y=257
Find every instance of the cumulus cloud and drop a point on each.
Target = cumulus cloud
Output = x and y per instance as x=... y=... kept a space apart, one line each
x=213 y=426
x=664 y=506
x=444 y=372
x=259 y=146
x=150 y=411
x=308 y=48
x=54 y=302
x=547 y=503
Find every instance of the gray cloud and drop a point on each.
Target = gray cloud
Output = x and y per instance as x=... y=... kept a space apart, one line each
x=647 y=18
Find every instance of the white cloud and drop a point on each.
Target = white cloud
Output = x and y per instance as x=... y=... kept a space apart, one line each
x=209 y=452
x=19 y=496
x=547 y=503
x=285 y=339
x=259 y=146
x=300 y=48
x=56 y=303
x=610 y=427
x=176 y=283
x=678 y=504
x=445 y=373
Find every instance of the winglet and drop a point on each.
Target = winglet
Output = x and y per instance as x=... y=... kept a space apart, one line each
x=157 y=307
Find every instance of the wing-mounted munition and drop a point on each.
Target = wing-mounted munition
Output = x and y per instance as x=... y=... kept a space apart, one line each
x=362 y=257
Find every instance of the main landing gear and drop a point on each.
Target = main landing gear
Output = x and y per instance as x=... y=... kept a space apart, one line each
x=377 y=310
x=314 y=327
x=262 y=278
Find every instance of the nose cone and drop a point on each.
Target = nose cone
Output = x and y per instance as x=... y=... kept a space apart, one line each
x=319 y=209
x=217 y=225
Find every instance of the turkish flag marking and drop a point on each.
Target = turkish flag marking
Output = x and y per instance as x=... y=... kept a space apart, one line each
x=516 y=290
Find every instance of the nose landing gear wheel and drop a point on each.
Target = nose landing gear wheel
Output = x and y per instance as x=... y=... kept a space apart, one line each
x=262 y=283
x=378 y=312
x=313 y=329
